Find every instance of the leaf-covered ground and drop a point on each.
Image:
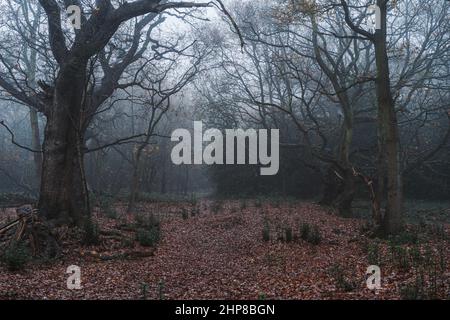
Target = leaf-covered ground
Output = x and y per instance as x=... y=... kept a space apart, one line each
x=241 y=250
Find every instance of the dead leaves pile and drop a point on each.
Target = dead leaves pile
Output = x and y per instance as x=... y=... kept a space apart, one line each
x=219 y=253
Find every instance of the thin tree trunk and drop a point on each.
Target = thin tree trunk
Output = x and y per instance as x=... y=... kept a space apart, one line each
x=34 y=122
x=339 y=191
x=135 y=181
x=340 y=186
x=36 y=143
x=388 y=126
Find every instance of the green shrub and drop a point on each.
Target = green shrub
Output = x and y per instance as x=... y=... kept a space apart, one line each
x=288 y=234
x=410 y=292
x=139 y=220
x=416 y=256
x=184 y=214
x=337 y=273
x=110 y=212
x=162 y=198
x=106 y=205
x=276 y=202
x=16 y=256
x=314 y=236
x=373 y=253
x=415 y=290
x=400 y=257
x=441 y=255
x=148 y=237
x=149 y=231
x=266 y=231
x=127 y=242
x=305 y=229
x=243 y=204
x=437 y=232
x=216 y=207
x=144 y=291
x=161 y=288
x=405 y=237
x=193 y=200
x=91 y=233
x=195 y=211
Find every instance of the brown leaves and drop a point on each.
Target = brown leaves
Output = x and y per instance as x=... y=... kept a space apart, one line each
x=216 y=254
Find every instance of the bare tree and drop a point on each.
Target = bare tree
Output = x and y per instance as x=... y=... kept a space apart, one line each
x=70 y=102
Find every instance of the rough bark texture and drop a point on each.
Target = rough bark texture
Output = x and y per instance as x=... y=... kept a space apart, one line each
x=388 y=127
x=135 y=181
x=63 y=194
x=36 y=143
x=389 y=164
x=339 y=190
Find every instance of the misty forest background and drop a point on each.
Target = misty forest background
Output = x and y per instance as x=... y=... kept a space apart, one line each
x=364 y=115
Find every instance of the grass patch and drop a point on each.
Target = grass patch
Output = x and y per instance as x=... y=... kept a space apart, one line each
x=148 y=232
x=91 y=232
x=266 y=230
x=16 y=256
x=310 y=233
x=337 y=272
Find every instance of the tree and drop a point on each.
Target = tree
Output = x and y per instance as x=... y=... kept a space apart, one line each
x=28 y=58
x=156 y=103
x=70 y=102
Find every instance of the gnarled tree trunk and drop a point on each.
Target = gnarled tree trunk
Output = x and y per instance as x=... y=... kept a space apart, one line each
x=63 y=194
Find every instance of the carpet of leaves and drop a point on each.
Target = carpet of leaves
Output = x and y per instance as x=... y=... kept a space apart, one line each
x=217 y=251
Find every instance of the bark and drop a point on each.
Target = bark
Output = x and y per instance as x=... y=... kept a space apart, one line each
x=164 y=180
x=331 y=188
x=34 y=122
x=339 y=190
x=63 y=190
x=388 y=127
x=135 y=181
x=137 y=164
x=389 y=172
x=63 y=194
x=36 y=143
x=344 y=200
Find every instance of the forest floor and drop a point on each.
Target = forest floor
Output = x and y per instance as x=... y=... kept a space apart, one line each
x=244 y=249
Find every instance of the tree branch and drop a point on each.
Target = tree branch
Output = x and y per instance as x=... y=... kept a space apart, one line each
x=56 y=35
x=352 y=26
x=13 y=141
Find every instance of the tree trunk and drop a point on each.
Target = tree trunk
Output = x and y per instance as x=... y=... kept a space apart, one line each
x=135 y=183
x=63 y=195
x=331 y=188
x=36 y=143
x=392 y=219
x=344 y=200
x=164 y=180
x=340 y=182
x=339 y=190
x=34 y=120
